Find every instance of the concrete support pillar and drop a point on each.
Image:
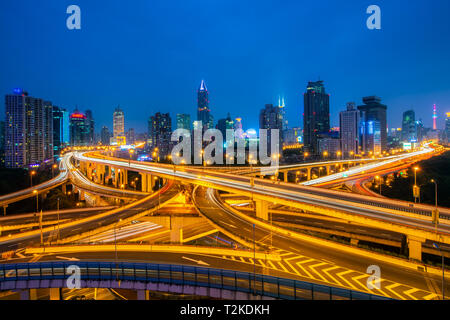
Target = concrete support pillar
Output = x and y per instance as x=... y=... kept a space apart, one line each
x=144 y=183
x=116 y=177
x=285 y=175
x=328 y=170
x=415 y=247
x=354 y=242
x=176 y=229
x=55 y=293
x=308 y=173
x=125 y=177
x=81 y=195
x=262 y=209
x=64 y=188
x=143 y=295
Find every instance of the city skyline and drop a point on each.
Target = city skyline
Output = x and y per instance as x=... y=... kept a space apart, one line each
x=397 y=70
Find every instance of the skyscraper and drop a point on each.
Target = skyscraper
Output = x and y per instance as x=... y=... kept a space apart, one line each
x=118 y=123
x=316 y=117
x=447 y=127
x=90 y=127
x=203 y=111
x=183 y=121
x=371 y=112
x=160 y=131
x=105 y=136
x=349 y=122
x=131 y=138
x=29 y=130
x=409 y=127
x=60 y=130
x=271 y=118
x=224 y=124
x=79 y=129
x=2 y=144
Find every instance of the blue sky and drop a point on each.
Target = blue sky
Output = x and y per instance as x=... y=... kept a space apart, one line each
x=150 y=56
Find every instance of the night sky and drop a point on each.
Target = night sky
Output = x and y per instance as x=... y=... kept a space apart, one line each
x=150 y=56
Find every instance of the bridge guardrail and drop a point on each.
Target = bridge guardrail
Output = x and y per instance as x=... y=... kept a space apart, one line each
x=263 y=285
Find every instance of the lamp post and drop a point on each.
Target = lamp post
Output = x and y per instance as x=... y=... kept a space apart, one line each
x=32 y=173
x=415 y=184
x=443 y=270
x=436 y=211
x=53 y=170
x=379 y=182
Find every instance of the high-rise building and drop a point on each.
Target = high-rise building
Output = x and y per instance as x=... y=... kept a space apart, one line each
x=91 y=127
x=224 y=124
x=118 y=123
x=447 y=127
x=203 y=111
x=370 y=136
x=160 y=131
x=29 y=130
x=349 y=122
x=271 y=118
x=2 y=144
x=316 y=116
x=131 y=138
x=409 y=127
x=292 y=137
x=79 y=129
x=105 y=136
x=373 y=112
x=183 y=121
x=60 y=130
x=282 y=106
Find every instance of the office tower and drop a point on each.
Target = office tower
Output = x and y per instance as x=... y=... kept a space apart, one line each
x=183 y=121
x=372 y=112
x=282 y=106
x=420 y=130
x=329 y=147
x=370 y=136
x=90 y=127
x=348 y=130
x=271 y=118
x=29 y=130
x=203 y=111
x=2 y=144
x=409 y=129
x=224 y=124
x=447 y=127
x=160 y=131
x=60 y=130
x=105 y=136
x=118 y=123
x=131 y=138
x=316 y=117
x=434 y=117
x=79 y=129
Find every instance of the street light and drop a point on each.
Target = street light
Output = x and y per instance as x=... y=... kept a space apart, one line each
x=415 y=187
x=443 y=270
x=32 y=173
x=436 y=211
x=53 y=170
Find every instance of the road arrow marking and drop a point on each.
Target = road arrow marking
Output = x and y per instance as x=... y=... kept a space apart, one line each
x=196 y=261
x=66 y=258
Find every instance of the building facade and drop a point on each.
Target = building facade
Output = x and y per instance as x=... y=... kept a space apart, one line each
x=183 y=121
x=160 y=131
x=409 y=126
x=61 y=136
x=349 y=122
x=316 y=116
x=373 y=115
x=79 y=129
x=203 y=111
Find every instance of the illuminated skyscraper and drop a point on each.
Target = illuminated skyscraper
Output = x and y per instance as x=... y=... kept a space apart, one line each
x=79 y=129
x=373 y=116
x=160 y=131
x=349 y=122
x=118 y=123
x=316 y=116
x=91 y=126
x=29 y=130
x=183 y=121
x=60 y=129
x=203 y=111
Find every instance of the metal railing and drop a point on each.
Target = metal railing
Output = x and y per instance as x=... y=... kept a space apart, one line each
x=262 y=285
